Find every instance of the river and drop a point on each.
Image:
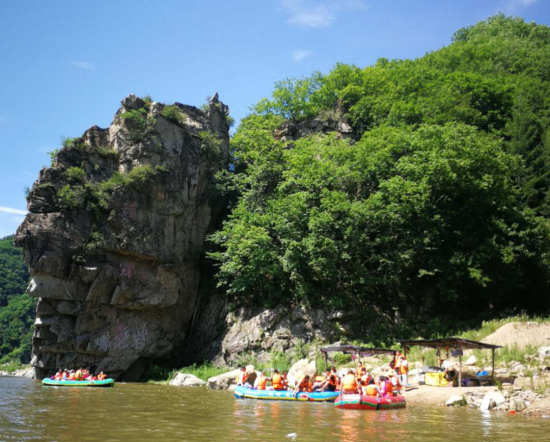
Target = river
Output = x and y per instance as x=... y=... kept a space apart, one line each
x=145 y=412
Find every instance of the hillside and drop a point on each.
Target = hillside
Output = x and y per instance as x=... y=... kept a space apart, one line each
x=16 y=309
x=430 y=208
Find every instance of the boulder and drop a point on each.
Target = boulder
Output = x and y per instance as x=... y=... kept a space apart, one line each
x=472 y=360
x=543 y=352
x=186 y=380
x=492 y=400
x=24 y=373
x=455 y=401
x=301 y=368
x=224 y=380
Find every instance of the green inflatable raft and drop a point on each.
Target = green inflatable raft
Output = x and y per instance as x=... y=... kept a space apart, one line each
x=103 y=383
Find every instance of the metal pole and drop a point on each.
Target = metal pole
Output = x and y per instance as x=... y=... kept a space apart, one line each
x=459 y=366
x=493 y=373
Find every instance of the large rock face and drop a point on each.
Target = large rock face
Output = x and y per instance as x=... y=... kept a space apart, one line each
x=114 y=237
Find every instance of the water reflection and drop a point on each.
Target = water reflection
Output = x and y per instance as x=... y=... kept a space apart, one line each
x=140 y=412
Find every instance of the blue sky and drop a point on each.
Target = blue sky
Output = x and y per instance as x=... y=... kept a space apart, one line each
x=65 y=64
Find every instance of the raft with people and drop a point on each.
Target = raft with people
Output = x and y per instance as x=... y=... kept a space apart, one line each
x=303 y=396
x=81 y=378
x=65 y=383
x=348 y=388
x=365 y=402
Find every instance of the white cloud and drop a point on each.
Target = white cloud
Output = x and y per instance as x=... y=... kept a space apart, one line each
x=301 y=54
x=516 y=5
x=86 y=65
x=10 y=210
x=34 y=175
x=317 y=13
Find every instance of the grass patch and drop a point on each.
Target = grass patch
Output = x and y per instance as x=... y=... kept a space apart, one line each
x=174 y=114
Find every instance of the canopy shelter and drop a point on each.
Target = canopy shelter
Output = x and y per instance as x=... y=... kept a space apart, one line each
x=459 y=344
x=353 y=349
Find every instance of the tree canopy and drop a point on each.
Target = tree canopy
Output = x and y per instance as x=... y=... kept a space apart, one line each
x=438 y=203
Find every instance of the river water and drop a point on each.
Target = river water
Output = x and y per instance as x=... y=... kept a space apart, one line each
x=144 y=412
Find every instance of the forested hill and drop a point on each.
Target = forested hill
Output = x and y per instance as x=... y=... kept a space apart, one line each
x=16 y=308
x=436 y=207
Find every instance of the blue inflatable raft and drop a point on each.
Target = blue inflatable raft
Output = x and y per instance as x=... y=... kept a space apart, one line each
x=79 y=384
x=247 y=393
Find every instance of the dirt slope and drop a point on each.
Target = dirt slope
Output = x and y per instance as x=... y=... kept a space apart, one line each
x=521 y=334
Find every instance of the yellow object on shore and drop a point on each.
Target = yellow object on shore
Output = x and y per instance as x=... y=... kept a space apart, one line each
x=436 y=379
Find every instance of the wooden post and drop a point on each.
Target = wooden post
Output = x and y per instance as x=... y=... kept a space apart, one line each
x=459 y=366
x=326 y=361
x=493 y=373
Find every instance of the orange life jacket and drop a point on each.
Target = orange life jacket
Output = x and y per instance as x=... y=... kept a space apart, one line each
x=389 y=388
x=349 y=382
x=403 y=369
x=277 y=381
x=71 y=377
x=242 y=377
x=304 y=385
x=371 y=390
x=332 y=380
x=262 y=383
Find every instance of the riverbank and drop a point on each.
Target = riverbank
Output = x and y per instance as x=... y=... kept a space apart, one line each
x=17 y=370
x=528 y=402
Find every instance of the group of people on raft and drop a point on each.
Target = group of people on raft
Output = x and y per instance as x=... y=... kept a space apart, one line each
x=81 y=374
x=350 y=381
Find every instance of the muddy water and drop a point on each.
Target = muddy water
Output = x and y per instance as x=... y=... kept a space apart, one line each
x=141 y=412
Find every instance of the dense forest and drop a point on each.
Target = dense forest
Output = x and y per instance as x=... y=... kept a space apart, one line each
x=437 y=206
x=16 y=308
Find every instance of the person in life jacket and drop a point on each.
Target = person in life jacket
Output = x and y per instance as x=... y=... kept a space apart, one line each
x=277 y=380
x=101 y=376
x=330 y=382
x=334 y=373
x=349 y=384
x=388 y=386
x=304 y=384
x=397 y=363
x=361 y=370
x=59 y=375
x=65 y=375
x=381 y=384
x=371 y=389
x=261 y=382
x=404 y=372
x=79 y=376
x=242 y=377
x=71 y=375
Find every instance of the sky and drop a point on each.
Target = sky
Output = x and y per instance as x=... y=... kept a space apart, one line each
x=65 y=65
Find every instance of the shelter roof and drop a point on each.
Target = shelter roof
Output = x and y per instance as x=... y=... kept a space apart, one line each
x=448 y=343
x=353 y=349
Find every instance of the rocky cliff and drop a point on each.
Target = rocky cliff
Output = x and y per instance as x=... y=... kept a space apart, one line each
x=114 y=237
